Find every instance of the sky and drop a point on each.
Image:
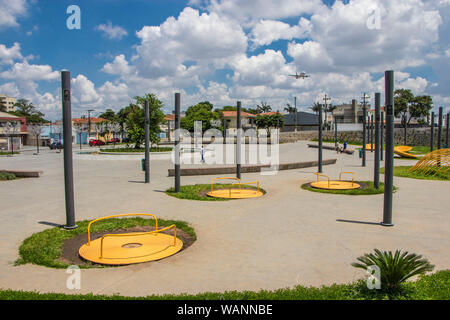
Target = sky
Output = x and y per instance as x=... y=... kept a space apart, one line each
x=222 y=51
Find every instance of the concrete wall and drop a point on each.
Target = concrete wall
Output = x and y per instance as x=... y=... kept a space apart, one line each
x=416 y=136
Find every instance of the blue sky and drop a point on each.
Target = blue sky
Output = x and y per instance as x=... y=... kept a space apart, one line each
x=221 y=51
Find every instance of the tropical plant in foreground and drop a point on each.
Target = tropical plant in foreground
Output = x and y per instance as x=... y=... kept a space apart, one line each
x=394 y=268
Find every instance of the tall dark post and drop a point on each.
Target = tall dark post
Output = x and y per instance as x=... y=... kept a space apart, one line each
x=224 y=125
x=89 y=123
x=147 y=141
x=371 y=133
x=376 y=173
x=364 y=132
x=389 y=161
x=168 y=130
x=381 y=135
x=432 y=132
x=68 y=165
x=320 y=139
x=177 y=142
x=439 y=143
x=446 y=131
x=238 y=141
x=335 y=133
x=295 y=117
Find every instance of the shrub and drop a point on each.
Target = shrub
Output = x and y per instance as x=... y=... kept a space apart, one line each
x=394 y=268
x=7 y=176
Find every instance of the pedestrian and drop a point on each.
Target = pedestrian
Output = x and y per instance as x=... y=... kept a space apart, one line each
x=345 y=145
x=203 y=154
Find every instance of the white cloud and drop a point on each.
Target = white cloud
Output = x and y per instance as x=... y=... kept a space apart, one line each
x=83 y=90
x=8 y=55
x=10 y=10
x=119 y=66
x=111 y=32
x=251 y=11
x=30 y=72
x=267 y=31
x=204 y=38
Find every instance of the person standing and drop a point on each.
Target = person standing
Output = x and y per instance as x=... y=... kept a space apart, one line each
x=203 y=154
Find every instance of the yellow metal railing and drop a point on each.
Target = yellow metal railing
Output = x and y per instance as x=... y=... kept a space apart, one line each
x=139 y=234
x=119 y=215
x=244 y=183
x=348 y=172
x=322 y=175
x=224 y=178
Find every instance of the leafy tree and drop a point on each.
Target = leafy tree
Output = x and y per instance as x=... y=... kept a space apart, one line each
x=108 y=115
x=407 y=106
x=268 y=121
x=25 y=108
x=200 y=112
x=122 y=116
x=135 y=121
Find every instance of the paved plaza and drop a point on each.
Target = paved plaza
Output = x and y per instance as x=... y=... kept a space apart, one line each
x=287 y=237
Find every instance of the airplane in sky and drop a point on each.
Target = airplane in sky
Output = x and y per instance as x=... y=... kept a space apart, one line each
x=302 y=75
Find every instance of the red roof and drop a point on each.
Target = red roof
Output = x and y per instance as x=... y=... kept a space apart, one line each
x=233 y=114
x=268 y=113
x=86 y=120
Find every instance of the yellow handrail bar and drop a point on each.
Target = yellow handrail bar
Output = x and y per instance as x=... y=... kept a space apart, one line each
x=119 y=215
x=223 y=178
x=139 y=234
x=323 y=175
x=349 y=172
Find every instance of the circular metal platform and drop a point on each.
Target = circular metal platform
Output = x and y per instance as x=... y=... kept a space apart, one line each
x=335 y=185
x=235 y=193
x=128 y=248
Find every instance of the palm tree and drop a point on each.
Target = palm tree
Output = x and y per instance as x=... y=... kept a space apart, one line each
x=315 y=107
x=394 y=268
x=289 y=108
x=264 y=107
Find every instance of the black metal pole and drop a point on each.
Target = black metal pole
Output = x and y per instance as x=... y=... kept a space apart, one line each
x=295 y=118
x=147 y=141
x=320 y=140
x=177 y=142
x=68 y=165
x=432 y=132
x=405 y=128
x=381 y=136
x=446 y=129
x=371 y=133
x=439 y=143
x=335 y=133
x=168 y=130
x=389 y=162
x=238 y=141
x=364 y=134
x=376 y=174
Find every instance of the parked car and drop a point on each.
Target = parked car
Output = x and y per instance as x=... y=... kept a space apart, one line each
x=114 y=140
x=56 y=145
x=95 y=142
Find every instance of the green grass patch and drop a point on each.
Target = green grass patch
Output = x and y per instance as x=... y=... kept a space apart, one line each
x=402 y=171
x=140 y=150
x=2 y=153
x=435 y=286
x=45 y=248
x=7 y=176
x=198 y=191
x=367 y=188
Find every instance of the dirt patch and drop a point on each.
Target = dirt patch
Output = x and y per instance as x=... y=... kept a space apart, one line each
x=71 y=246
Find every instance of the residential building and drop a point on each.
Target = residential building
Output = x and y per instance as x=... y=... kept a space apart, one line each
x=14 y=137
x=230 y=118
x=8 y=103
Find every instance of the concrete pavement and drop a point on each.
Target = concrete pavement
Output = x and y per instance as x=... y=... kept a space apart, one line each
x=289 y=236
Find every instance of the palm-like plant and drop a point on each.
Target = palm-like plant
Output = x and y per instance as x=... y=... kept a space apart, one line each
x=394 y=268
